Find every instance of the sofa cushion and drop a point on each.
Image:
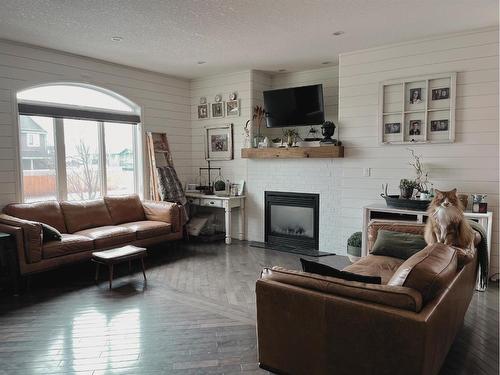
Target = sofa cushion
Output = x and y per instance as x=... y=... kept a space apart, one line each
x=375 y=265
x=429 y=271
x=48 y=212
x=397 y=244
x=399 y=297
x=125 y=208
x=85 y=214
x=148 y=228
x=69 y=243
x=325 y=270
x=108 y=236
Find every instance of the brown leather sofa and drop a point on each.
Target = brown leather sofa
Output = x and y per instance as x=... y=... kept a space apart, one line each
x=86 y=227
x=311 y=324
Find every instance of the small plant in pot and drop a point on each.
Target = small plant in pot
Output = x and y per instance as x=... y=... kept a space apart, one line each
x=354 y=246
x=406 y=188
x=290 y=136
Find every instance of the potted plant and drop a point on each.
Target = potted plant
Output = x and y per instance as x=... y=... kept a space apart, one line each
x=258 y=116
x=406 y=188
x=422 y=179
x=277 y=142
x=354 y=246
x=291 y=136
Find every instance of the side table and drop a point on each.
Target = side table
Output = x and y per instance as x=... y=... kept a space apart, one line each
x=226 y=203
x=9 y=271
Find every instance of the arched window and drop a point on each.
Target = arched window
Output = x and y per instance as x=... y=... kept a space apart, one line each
x=77 y=142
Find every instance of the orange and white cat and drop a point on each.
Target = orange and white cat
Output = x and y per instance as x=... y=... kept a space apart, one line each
x=446 y=223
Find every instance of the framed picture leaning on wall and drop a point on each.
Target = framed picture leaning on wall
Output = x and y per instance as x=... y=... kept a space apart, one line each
x=219 y=142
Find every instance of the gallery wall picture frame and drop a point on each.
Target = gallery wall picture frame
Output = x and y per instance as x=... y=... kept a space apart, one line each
x=233 y=108
x=219 y=142
x=418 y=109
x=218 y=110
x=203 y=111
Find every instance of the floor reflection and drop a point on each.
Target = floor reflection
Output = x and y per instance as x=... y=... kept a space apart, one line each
x=103 y=341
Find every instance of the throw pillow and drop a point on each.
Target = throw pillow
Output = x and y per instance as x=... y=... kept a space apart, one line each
x=50 y=233
x=324 y=270
x=397 y=244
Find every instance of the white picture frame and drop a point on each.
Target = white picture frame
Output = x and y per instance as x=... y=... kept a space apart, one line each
x=203 y=111
x=217 y=109
x=219 y=142
x=241 y=187
x=233 y=108
x=420 y=105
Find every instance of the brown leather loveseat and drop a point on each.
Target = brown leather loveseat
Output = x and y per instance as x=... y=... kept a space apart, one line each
x=312 y=324
x=86 y=226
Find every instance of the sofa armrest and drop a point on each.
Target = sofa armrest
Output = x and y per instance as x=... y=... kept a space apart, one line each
x=164 y=211
x=31 y=236
x=303 y=331
x=375 y=225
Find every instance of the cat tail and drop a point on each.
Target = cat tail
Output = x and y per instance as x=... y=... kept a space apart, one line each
x=465 y=235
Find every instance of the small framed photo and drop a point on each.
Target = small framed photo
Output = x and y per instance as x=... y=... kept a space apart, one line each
x=233 y=108
x=218 y=110
x=241 y=187
x=202 y=111
x=415 y=127
x=439 y=125
x=441 y=94
x=416 y=96
x=392 y=128
x=219 y=142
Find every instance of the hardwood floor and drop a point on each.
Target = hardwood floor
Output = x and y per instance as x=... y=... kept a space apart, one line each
x=196 y=315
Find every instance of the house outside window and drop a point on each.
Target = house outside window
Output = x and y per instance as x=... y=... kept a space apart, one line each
x=77 y=143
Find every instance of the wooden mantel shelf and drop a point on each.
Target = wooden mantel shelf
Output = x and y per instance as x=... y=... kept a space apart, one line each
x=293 y=152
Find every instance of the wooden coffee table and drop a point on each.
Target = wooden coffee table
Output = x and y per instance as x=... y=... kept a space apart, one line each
x=118 y=255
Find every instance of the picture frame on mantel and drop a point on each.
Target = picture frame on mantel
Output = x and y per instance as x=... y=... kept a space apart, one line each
x=219 y=142
x=417 y=110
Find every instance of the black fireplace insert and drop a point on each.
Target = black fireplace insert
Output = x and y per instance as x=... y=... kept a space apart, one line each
x=292 y=219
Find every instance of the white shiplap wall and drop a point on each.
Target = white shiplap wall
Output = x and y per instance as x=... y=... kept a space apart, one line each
x=209 y=87
x=296 y=175
x=224 y=84
x=164 y=100
x=470 y=164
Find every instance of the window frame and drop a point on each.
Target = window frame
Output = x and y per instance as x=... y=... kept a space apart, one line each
x=30 y=140
x=60 y=112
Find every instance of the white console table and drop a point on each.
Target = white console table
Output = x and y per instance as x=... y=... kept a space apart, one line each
x=379 y=211
x=227 y=203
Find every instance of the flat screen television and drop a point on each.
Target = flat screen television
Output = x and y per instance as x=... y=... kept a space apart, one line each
x=296 y=106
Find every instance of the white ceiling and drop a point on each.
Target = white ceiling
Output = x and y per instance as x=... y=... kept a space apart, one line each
x=170 y=36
